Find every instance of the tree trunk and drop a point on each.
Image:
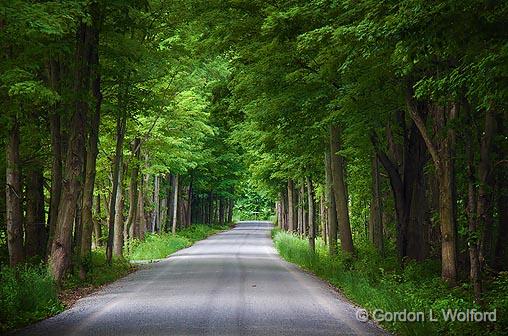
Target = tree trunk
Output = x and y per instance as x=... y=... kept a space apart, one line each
x=291 y=206
x=56 y=175
x=375 y=221
x=284 y=225
x=502 y=208
x=485 y=181
x=97 y=230
x=299 y=207
x=56 y=154
x=119 y=220
x=35 y=231
x=92 y=150
x=323 y=218
x=474 y=261
x=175 y=203
x=221 y=210
x=189 y=204
x=60 y=257
x=312 y=225
x=332 y=212
x=133 y=189
x=117 y=167
x=13 y=197
x=340 y=191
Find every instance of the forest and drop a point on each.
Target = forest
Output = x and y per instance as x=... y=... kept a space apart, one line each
x=372 y=132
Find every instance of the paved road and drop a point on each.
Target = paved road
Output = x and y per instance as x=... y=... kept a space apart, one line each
x=233 y=283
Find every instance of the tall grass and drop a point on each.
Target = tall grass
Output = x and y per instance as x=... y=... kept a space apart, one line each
x=375 y=282
x=27 y=294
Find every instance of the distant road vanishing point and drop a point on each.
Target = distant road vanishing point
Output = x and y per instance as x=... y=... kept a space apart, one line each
x=233 y=283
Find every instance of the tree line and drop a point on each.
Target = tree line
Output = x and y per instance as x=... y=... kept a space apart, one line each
x=112 y=127
x=379 y=121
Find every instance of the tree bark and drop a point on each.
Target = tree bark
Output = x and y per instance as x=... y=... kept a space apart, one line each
x=175 y=204
x=323 y=218
x=340 y=191
x=117 y=166
x=331 y=208
x=291 y=206
x=13 y=196
x=60 y=257
x=133 y=189
x=56 y=168
x=485 y=182
x=375 y=221
x=35 y=230
x=474 y=261
x=312 y=225
x=92 y=150
x=97 y=230
x=119 y=219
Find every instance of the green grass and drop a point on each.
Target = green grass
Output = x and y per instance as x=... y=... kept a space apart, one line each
x=158 y=246
x=27 y=294
x=98 y=271
x=375 y=282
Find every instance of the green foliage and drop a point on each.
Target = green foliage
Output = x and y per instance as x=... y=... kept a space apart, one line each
x=376 y=282
x=27 y=294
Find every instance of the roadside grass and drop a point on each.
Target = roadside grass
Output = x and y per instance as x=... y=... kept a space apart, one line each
x=376 y=283
x=28 y=293
x=159 y=246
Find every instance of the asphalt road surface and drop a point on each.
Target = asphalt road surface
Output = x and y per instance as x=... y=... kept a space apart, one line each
x=232 y=283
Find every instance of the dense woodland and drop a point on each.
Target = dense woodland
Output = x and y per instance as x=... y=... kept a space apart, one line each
x=357 y=121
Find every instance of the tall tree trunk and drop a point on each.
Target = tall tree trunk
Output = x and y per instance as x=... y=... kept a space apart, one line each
x=35 y=230
x=117 y=166
x=141 y=220
x=330 y=203
x=97 y=222
x=171 y=178
x=375 y=221
x=189 y=204
x=56 y=168
x=502 y=208
x=291 y=206
x=299 y=208
x=175 y=203
x=441 y=151
x=323 y=218
x=221 y=210
x=340 y=191
x=474 y=261
x=133 y=189
x=13 y=196
x=155 y=201
x=284 y=207
x=60 y=257
x=485 y=187
x=119 y=219
x=312 y=225
x=92 y=149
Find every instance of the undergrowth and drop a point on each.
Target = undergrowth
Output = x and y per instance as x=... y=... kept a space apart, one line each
x=376 y=282
x=27 y=294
